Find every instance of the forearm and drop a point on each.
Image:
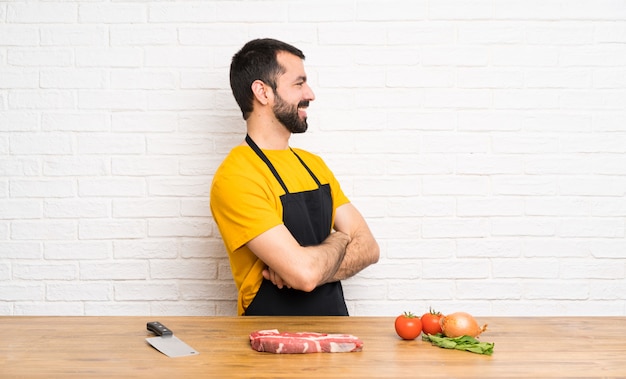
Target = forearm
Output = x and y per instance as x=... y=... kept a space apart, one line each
x=330 y=255
x=361 y=252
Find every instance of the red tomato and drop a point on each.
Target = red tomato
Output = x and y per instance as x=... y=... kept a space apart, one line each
x=408 y=326
x=431 y=322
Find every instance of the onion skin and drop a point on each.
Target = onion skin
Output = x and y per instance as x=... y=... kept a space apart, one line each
x=461 y=324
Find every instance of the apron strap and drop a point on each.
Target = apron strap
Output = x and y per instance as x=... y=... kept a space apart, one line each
x=258 y=152
x=307 y=168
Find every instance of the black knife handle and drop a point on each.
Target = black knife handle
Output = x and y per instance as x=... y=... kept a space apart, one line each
x=159 y=329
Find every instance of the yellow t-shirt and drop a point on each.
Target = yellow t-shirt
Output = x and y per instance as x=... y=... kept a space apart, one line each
x=245 y=202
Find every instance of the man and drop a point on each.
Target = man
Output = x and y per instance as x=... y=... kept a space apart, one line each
x=290 y=232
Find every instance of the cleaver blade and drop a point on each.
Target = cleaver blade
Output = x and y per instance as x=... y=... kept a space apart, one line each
x=167 y=343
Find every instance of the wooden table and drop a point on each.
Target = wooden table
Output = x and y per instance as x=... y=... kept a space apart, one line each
x=115 y=347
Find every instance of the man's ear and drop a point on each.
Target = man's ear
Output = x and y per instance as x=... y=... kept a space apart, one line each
x=261 y=91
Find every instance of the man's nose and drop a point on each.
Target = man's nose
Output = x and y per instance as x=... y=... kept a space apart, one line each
x=308 y=92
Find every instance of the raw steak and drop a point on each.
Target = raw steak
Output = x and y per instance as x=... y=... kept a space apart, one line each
x=272 y=341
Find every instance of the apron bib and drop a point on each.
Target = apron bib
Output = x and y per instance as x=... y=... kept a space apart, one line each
x=308 y=216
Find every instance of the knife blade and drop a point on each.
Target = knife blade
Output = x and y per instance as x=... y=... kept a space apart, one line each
x=167 y=343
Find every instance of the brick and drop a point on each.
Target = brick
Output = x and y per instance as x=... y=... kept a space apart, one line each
x=491 y=33
x=202 y=248
x=118 y=270
x=146 y=208
x=180 y=100
x=20 y=249
x=5 y=272
x=556 y=290
x=42 y=12
x=494 y=248
x=75 y=78
x=22 y=79
x=455 y=185
x=145 y=249
x=538 y=268
x=141 y=35
x=606 y=227
x=43 y=230
x=143 y=122
x=487 y=289
x=179 y=228
x=556 y=248
x=524 y=226
x=178 y=57
x=111 y=229
x=202 y=291
x=133 y=79
x=172 y=12
x=372 y=11
x=77 y=250
x=145 y=291
x=195 y=208
x=126 y=100
x=434 y=77
x=114 y=143
x=422 y=249
x=75 y=166
x=489 y=206
x=591 y=269
x=197 y=269
x=557 y=206
x=56 y=188
x=22 y=291
x=109 y=57
x=454 y=228
x=433 y=206
x=56 y=308
x=19 y=121
x=524 y=185
x=180 y=187
x=74 y=36
x=70 y=121
x=76 y=208
x=18 y=35
x=489 y=164
x=40 y=57
x=456 y=269
x=608 y=207
x=20 y=209
x=41 y=99
x=451 y=10
x=593 y=185
x=78 y=291
x=112 y=13
x=118 y=308
x=144 y=166
x=37 y=271
x=112 y=187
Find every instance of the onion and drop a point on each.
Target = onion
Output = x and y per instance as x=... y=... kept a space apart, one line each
x=461 y=324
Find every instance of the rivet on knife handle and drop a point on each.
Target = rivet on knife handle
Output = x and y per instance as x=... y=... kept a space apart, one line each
x=159 y=329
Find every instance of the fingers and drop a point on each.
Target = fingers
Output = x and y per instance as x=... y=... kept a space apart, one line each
x=271 y=275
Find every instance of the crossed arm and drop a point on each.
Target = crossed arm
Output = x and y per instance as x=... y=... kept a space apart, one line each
x=348 y=250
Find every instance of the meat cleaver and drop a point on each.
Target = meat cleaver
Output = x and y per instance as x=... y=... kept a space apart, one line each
x=167 y=343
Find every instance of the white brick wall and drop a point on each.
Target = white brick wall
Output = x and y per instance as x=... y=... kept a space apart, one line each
x=484 y=141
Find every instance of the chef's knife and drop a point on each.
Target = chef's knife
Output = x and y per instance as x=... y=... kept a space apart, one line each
x=167 y=343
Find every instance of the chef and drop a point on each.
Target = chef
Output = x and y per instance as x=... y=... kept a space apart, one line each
x=291 y=233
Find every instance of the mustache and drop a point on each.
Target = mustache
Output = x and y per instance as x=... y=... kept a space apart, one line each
x=304 y=103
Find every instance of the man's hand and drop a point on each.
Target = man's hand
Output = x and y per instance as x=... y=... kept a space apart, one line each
x=271 y=275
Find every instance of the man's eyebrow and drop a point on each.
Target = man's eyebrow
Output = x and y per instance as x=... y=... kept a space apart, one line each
x=301 y=78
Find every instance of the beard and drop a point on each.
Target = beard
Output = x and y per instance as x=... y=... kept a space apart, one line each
x=287 y=114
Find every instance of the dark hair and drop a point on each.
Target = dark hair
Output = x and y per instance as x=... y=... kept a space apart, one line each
x=256 y=61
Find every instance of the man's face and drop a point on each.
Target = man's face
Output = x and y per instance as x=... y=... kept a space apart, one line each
x=293 y=94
